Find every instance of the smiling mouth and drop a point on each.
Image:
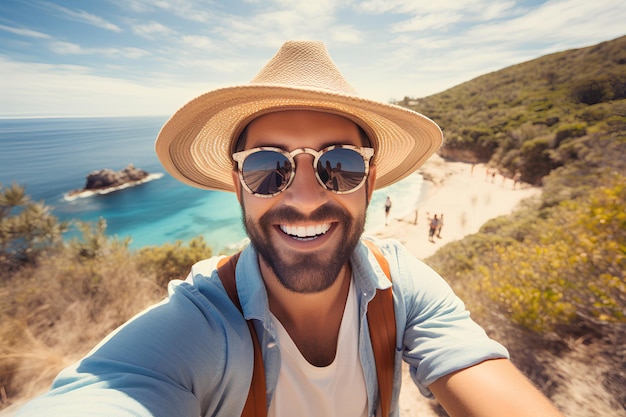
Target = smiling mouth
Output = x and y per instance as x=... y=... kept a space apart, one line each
x=305 y=232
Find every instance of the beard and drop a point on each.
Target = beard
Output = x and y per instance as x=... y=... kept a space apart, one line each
x=311 y=272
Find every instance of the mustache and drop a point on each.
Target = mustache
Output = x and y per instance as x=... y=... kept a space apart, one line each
x=323 y=213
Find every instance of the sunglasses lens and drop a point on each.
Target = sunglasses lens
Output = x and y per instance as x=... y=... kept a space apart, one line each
x=341 y=169
x=266 y=172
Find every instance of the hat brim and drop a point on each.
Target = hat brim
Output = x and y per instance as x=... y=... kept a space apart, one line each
x=195 y=144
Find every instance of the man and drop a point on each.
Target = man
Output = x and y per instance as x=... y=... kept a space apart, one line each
x=306 y=280
x=387 y=209
x=434 y=223
x=439 y=225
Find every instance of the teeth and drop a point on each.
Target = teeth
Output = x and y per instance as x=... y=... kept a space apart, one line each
x=305 y=231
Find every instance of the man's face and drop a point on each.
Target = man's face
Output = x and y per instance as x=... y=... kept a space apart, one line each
x=305 y=234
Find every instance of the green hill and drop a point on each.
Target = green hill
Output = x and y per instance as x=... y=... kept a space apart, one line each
x=518 y=118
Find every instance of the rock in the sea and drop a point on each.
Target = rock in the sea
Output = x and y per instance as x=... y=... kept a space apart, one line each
x=106 y=178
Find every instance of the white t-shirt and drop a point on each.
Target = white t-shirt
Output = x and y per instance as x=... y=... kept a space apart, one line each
x=334 y=390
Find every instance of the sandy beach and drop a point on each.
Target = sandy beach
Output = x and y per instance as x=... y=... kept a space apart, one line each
x=467 y=198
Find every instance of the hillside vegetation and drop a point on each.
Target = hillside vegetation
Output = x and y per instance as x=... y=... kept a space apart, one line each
x=519 y=118
x=548 y=281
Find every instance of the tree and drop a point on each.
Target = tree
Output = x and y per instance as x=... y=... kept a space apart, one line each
x=26 y=228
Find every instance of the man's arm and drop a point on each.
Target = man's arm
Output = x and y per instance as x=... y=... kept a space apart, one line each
x=491 y=388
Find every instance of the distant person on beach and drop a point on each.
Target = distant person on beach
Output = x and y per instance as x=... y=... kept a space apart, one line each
x=310 y=319
x=387 y=209
x=432 y=228
x=439 y=226
x=516 y=179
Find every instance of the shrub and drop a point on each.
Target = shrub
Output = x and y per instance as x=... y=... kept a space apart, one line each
x=173 y=261
x=591 y=91
x=564 y=272
x=54 y=311
x=573 y=268
x=535 y=160
x=26 y=228
x=567 y=132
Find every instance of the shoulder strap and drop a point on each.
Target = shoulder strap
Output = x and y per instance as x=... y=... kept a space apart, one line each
x=256 y=402
x=381 y=321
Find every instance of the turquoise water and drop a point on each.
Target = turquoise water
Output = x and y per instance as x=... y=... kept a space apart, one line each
x=53 y=156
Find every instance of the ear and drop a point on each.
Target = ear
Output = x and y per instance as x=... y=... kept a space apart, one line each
x=371 y=181
x=237 y=185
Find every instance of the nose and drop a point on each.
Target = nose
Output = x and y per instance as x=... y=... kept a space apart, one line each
x=305 y=192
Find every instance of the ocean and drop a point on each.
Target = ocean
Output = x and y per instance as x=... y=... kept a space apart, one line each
x=51 y=157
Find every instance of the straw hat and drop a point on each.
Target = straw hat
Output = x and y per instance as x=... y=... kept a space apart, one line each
x=195 y=145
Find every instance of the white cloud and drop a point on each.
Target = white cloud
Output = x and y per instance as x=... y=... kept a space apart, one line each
x=378 y=6
x=97 y=21
x=195 y=11
x=136 y=6
x=152 y=30
x=421 y=7
x=427 y=22
x=552 y=27
x=309 y=8
x=271 y=28
x=199 y=42
x=496 y=10
x=74 y=90
x=24 y=32
x=86 y=17
x=346 y=34
x=68 y=48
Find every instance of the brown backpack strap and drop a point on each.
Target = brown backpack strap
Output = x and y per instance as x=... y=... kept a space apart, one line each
x=256 y=403
x=381 y=321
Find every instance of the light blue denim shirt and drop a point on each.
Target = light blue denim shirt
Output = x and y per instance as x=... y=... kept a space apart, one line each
x=191 y=355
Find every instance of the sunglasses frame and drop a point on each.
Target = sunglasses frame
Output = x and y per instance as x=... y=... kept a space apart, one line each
x=365 y=153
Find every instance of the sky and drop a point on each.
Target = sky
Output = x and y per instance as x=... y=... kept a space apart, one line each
x=68 y=58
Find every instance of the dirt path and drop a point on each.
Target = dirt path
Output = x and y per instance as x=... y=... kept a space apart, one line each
x=412 y=402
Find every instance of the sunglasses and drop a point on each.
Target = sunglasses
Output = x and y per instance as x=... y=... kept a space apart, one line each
x=267 y=171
